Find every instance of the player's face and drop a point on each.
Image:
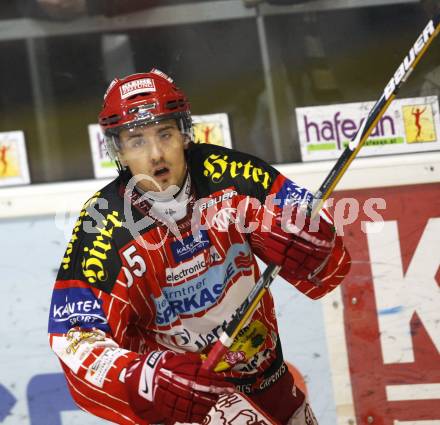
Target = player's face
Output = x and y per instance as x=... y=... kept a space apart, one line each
x=155 y=150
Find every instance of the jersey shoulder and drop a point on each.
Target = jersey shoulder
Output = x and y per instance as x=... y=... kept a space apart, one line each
x=215 y=167
x=92 y=254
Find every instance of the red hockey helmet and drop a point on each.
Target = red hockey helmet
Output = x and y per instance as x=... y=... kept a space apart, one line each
x=141 y=99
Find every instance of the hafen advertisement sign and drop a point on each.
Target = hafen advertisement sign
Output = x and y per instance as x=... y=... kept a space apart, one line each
x=408 y=126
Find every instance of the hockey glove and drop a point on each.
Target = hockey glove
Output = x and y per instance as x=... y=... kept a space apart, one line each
x=301 y=251
x=164 y=386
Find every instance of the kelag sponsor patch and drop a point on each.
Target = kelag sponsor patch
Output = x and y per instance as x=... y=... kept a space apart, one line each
x=76 y=307
x=189 y=246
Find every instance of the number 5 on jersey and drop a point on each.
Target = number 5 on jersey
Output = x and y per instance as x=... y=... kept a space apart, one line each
x=136 y=264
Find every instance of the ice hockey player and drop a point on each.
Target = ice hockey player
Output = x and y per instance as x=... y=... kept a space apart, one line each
x=160 y=259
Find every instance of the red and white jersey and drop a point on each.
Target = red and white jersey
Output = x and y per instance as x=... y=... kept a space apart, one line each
x=132 y=280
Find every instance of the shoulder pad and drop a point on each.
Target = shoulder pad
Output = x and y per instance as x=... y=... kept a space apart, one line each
x=214 y=168
x=92 y=254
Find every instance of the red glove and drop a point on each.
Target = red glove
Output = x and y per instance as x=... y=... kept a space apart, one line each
x=301 y=252
x=166 y=386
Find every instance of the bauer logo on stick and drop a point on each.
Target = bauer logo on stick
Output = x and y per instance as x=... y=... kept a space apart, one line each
x=406 y=66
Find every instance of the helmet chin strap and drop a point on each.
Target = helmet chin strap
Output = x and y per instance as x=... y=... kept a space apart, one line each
x=119 y=166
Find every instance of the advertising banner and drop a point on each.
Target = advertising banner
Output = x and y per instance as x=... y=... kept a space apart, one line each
x=103 y=166
x=391 y=319
x=211 y=128
x=408 y=126
x=14 y=168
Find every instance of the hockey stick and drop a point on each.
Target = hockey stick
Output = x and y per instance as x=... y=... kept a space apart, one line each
x=402 y=73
